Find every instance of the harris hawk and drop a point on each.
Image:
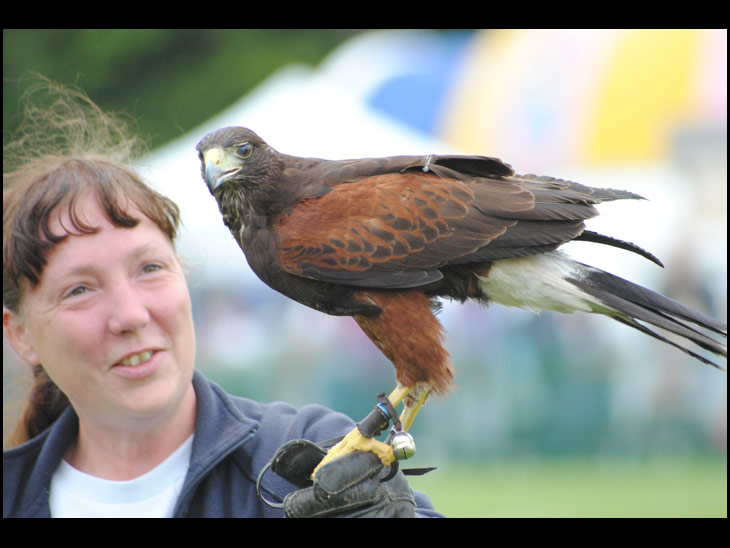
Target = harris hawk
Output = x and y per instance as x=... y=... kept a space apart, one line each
x=382 y=239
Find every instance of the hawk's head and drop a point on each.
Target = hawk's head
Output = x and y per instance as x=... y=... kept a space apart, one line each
x=234 y=155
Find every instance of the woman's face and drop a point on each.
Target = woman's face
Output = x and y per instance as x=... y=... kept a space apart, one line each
x=110 y=320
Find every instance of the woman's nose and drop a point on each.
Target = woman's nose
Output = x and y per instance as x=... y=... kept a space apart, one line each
x=128 y=312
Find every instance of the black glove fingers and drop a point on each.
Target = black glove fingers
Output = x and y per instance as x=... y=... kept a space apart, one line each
x=351 y=486
x=347 y=471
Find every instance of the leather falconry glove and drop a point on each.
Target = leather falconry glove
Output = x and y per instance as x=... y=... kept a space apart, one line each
x=356 y=485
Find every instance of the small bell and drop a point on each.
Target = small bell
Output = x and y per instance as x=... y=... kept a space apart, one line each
x=404 y=447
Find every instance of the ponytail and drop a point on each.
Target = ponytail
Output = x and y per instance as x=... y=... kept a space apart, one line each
x=45 y=404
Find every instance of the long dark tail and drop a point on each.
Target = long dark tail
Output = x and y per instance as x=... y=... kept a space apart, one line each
x=630 y=303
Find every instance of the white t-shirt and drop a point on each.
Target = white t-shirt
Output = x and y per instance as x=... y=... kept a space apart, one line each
x=75 y=494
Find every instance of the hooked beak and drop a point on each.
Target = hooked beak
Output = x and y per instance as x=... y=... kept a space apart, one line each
x=218 y=167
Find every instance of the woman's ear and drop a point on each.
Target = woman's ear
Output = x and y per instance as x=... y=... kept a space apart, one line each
x=18 y=337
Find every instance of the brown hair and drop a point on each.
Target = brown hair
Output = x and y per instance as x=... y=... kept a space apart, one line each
x=66 y=148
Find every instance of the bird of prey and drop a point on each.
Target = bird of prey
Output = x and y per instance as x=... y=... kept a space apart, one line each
x=382 y=239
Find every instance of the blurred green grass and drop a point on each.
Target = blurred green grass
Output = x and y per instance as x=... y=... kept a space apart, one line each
x=580 y=487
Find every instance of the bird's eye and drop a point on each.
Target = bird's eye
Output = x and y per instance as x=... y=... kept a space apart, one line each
x=244 y=150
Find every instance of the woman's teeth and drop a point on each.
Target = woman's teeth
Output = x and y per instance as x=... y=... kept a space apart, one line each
x=136 y=359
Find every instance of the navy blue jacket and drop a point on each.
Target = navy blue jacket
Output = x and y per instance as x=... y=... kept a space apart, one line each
x=234 y=439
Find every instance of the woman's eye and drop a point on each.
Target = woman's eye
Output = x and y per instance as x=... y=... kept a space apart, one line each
x=244 y=150
x=151 y=267
x=76 y=291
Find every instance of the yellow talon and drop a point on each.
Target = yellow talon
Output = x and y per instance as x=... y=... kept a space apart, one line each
x=355 y=441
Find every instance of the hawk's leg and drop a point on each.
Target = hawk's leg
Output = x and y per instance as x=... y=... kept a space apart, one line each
x=356 y=441
x=412 y=405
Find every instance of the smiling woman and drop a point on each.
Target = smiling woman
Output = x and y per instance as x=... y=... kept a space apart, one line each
x=78 y=186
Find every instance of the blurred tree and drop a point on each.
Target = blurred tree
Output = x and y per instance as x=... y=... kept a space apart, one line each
x=170 y=80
